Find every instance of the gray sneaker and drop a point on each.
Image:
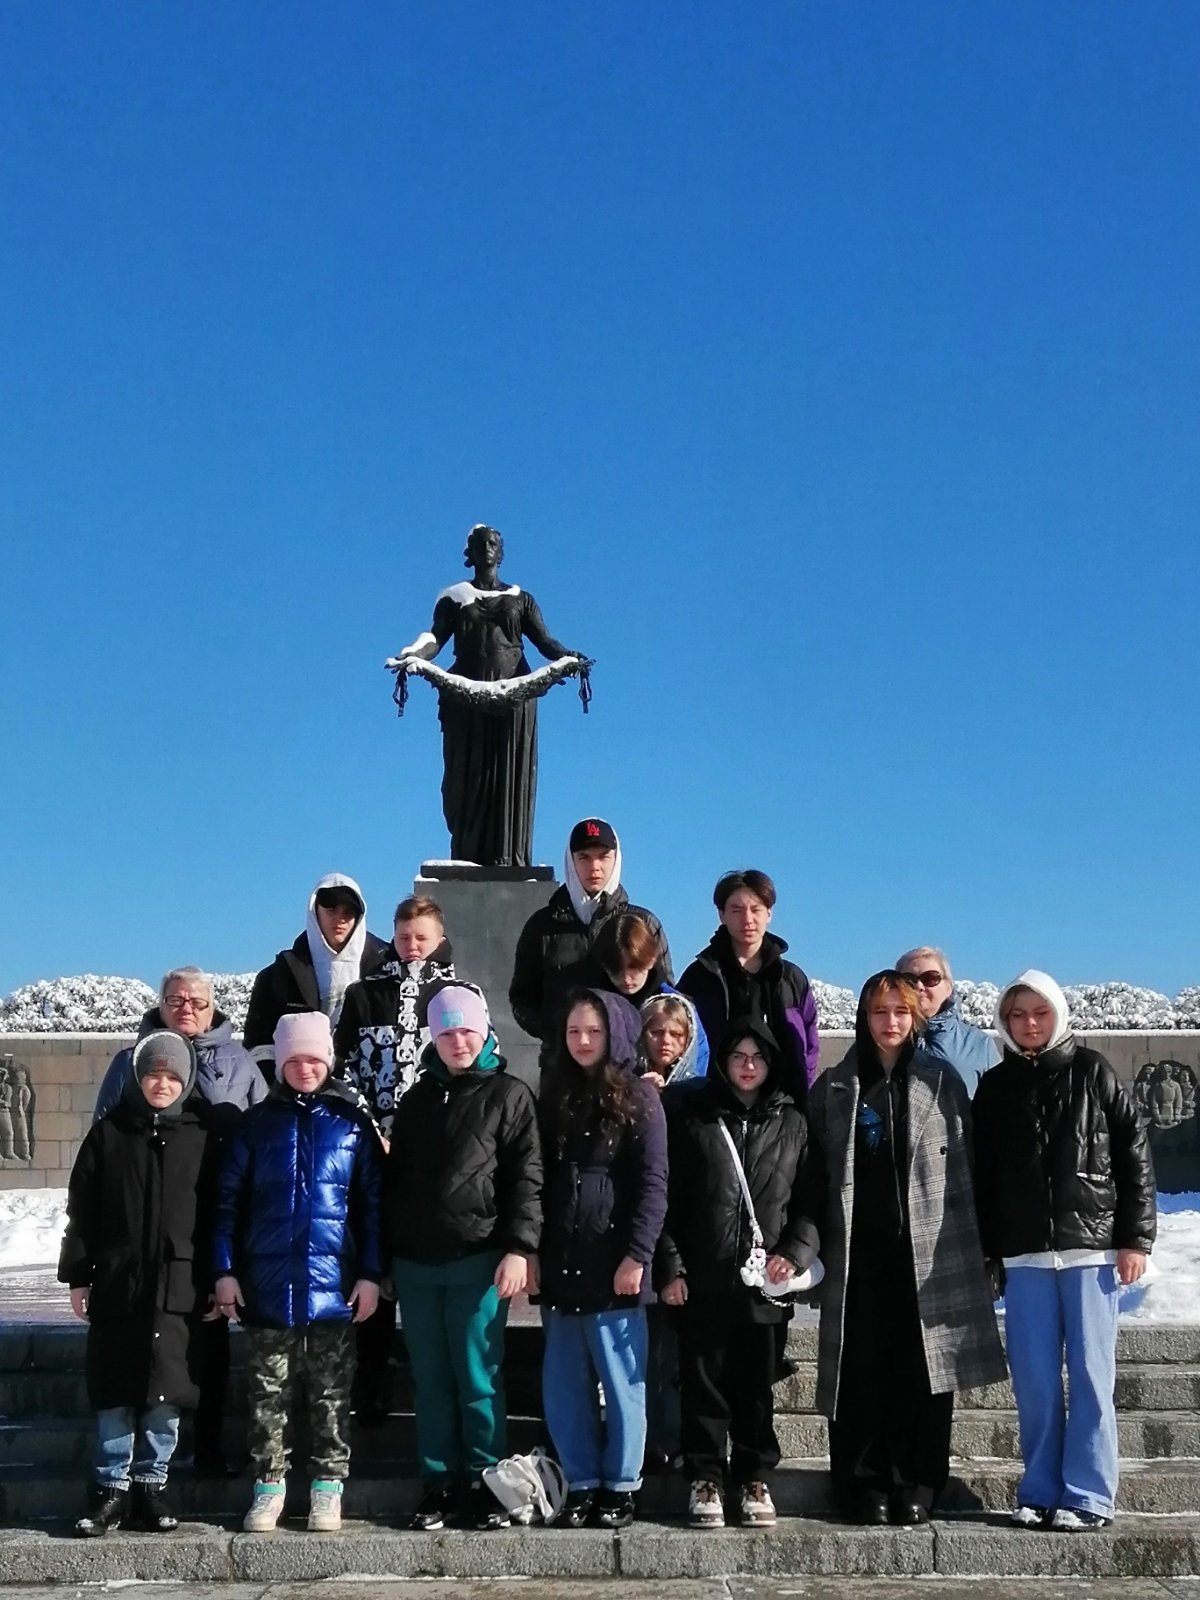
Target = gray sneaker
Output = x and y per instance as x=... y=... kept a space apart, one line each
x=266 y=1507
x=325 y=1505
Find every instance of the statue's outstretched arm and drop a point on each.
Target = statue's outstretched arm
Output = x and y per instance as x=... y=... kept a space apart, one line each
x=424 y=645
x=427 y=645
x=535 y=630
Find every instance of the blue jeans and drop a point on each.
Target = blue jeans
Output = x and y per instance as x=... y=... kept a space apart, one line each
x=1070 y=1453
x=143 y=1441
x=580 y=1348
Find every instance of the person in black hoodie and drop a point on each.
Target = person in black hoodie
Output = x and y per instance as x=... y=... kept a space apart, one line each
x=741 y=973
x=334 y=951
x=462 y=1196
x=556 y=949
x=1065 y=1189
x=726 y=1327
x=138 y=1199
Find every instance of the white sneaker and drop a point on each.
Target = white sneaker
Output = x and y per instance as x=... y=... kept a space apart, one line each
x=325 y=1505
x=1030 y=1516
x=756 y=1508
x=705 y=1507
x=1068 y=1520
x=266 y=1507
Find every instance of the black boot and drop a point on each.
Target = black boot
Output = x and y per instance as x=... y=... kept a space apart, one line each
x=105 y=1508
x=149 y=1511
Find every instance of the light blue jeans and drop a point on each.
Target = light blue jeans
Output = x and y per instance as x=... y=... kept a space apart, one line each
x=1070 y=1452
x=581 y=1348
x=138 y=1442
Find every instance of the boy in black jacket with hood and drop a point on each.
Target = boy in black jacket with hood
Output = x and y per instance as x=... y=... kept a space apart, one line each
x=137 y=1199
x=727 y=1328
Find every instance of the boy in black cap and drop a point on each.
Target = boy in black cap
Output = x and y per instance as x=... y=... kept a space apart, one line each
x=555 y=947
x=135 y=1203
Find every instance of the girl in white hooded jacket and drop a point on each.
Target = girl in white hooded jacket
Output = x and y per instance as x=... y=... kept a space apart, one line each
x=1066 y=1201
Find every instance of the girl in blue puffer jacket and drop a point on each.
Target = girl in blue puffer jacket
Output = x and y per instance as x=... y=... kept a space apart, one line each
x=297 y=1258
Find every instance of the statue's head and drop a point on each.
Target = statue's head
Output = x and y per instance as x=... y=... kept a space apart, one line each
x=485 y=547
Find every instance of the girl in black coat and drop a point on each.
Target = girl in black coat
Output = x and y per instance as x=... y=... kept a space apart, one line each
x=605 y=1148
x=727 y=1327
x=136 y=1202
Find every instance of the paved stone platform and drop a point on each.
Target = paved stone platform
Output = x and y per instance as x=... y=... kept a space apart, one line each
x=730 y=1588
x=1136 y=1547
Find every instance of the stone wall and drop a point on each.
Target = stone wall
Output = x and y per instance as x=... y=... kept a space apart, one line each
x=65 y=1070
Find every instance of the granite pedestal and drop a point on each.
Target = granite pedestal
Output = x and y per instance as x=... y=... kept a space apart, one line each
x=485 y=909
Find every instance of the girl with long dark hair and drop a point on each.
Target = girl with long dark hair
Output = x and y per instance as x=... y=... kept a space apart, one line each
x=605 y=1150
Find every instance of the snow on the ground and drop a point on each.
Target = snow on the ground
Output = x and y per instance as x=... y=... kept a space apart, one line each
x=31 y=1226
x=92 y=1004
x=32 y=1222
x=1171 y=1290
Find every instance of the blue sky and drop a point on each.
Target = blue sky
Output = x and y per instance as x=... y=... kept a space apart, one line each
x=830 y=370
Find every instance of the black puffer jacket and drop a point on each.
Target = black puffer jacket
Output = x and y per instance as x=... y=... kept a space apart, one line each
x=707 y=1237
x=554 y=955
x=464 y=1170
x=289 y=984
x=1061 y=1158
x=139 y=1207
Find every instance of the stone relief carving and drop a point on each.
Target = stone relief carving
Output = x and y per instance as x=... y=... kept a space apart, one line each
x=1165 y=1093
x=16 y=1113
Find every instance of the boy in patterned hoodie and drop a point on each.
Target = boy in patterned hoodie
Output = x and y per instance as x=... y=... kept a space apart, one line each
x=379 y=1038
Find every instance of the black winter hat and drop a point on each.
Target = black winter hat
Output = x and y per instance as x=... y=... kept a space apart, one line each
x=593 y=833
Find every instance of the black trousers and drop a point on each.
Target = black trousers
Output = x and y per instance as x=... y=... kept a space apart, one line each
x=890 y=1434
x=726 y=1370
x=213 y=1382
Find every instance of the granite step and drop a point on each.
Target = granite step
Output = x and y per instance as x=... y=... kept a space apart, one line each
x=387 y=1489
x=1164 y=1435
x=1140 y=1386
x=203 y=1553
x=46 y=1346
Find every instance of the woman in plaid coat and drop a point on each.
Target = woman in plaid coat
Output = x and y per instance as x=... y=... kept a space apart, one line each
x=906 y=1307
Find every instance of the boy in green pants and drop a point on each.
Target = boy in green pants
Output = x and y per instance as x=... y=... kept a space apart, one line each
x=463 y=1203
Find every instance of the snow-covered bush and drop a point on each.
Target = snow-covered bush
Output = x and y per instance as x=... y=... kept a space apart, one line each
x=231 y=993
x=87 y=1004
x=976 y=1001
x=90 y=1004
x=835 y=1006
x=1118 y=1005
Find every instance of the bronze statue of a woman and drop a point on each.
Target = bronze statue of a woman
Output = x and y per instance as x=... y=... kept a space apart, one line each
x=488 y=715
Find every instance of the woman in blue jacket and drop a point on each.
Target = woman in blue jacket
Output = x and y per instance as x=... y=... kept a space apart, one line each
x=297 y=1258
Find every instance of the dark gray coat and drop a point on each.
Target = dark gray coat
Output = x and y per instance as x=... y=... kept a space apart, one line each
x=958 y=1323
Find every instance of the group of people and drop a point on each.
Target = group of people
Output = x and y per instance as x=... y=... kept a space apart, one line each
x=680 y=1178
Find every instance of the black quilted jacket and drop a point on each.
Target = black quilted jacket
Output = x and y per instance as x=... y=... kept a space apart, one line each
x=464 y=1170
x=1061 y=1159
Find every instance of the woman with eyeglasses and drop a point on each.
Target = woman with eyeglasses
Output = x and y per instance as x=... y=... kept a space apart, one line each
x=946 y=1036
x=906 y=1309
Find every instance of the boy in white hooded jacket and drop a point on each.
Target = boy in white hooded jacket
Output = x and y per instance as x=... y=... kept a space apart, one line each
x=1066 y=1200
